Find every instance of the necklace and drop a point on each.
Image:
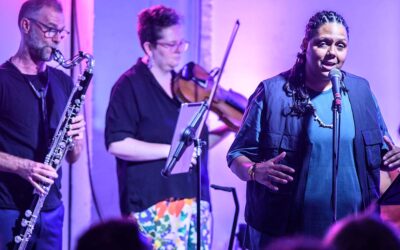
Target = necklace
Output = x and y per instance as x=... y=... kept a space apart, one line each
x=317 y=119
x=320 y=122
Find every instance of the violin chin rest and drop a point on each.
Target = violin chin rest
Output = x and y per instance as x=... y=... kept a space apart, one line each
x=187 y=71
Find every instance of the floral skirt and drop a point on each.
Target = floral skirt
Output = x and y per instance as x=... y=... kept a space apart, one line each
x=172 y=224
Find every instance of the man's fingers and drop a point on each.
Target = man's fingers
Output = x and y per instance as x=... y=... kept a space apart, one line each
x=77 y=127
x=47 y=171
x=43 y=179
x=77 y=118
x=37 y=186
x=37 y=173
x=76 y=132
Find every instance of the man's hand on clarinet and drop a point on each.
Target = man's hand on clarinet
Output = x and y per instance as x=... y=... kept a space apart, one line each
x=36 y=173
x=77 y=127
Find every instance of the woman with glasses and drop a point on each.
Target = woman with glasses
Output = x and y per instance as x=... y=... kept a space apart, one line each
x=140 y=123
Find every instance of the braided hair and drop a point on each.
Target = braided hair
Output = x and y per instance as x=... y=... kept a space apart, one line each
x=295 y=86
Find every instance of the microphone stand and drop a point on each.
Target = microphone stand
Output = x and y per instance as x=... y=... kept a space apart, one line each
x=336 y=110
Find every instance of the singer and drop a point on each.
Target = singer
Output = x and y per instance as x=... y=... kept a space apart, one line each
x=284 y=147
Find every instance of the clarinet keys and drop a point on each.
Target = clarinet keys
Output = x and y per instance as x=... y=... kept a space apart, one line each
x=24 y=223
x=18 y=239
x=28 y=213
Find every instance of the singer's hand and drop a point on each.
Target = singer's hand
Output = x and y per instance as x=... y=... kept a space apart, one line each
x=36 y=173
x=391 y=160
x=271 y=172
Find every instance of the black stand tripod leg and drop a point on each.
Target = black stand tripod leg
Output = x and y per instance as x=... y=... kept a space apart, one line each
x=335 y=159
x=235 y=218
x=198 y=144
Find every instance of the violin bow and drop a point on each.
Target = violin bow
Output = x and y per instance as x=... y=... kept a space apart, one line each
x=221 y=69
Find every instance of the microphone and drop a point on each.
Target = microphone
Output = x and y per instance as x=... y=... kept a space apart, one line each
x=336 y=76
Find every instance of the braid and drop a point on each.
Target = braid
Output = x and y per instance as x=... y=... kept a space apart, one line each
x=295 y=85
x=295 y=88
x=321 y=18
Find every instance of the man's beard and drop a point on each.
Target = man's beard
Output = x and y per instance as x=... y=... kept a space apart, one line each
x=41 y=53
x=38 y=50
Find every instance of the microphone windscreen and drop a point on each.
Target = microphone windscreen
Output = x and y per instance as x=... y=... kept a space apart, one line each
x=335 y=73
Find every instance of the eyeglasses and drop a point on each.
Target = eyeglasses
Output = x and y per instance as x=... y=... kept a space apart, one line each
x=48 y=31
x=181 y=46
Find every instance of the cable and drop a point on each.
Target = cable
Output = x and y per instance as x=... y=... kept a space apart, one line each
x=75 y=36
x=72 y=41
x=94 y=197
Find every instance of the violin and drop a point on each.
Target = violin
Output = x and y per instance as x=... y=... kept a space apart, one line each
x=191 y=85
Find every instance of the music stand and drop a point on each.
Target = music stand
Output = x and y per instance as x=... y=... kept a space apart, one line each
x=181 y=152
x=190 y=122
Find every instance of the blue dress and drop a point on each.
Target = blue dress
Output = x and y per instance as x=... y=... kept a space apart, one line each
x=318 y=211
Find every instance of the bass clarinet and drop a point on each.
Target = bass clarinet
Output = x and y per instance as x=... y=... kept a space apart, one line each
x=60 y=144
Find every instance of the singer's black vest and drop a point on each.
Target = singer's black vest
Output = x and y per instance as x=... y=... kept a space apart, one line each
x=278 y=213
